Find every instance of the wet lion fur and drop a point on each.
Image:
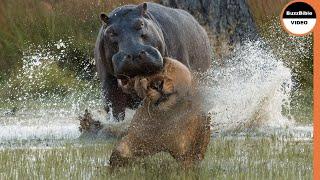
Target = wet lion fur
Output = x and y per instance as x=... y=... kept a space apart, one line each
x=170 y=118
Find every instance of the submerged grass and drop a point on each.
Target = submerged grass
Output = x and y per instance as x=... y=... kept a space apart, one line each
x=247 y=158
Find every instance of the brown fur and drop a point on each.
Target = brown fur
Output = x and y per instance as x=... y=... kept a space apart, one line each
x=173 y=124
x=174 y=82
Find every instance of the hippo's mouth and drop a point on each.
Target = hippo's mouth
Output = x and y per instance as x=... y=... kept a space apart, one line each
x=128 y=66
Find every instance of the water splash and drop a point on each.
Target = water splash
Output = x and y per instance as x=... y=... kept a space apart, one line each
x=250 y=92
x=42 y=101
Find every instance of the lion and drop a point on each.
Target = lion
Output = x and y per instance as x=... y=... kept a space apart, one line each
x=169 y=120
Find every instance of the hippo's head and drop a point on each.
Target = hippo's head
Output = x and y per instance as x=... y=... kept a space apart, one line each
x=135 y=39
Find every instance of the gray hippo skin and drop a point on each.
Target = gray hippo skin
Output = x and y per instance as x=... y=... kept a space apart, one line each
x=132 y=41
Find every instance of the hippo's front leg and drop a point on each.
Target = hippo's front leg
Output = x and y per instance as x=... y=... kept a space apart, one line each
x=114 y=97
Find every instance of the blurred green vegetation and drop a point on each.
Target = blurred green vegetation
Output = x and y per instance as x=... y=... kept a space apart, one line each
x=41 y=21
x=295 y=52
x=29 y=25
x=41 y=82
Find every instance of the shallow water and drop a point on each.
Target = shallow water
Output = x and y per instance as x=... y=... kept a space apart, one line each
x=254 y=135
x=246 y=96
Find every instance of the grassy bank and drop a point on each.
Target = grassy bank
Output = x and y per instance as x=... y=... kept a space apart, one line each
x=226 y=158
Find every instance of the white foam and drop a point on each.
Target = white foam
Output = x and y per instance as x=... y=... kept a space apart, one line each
x=39 y=132
x=249 y=91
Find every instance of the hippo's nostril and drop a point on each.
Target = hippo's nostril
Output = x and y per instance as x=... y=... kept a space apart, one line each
x=142 y=54
x=128 y=57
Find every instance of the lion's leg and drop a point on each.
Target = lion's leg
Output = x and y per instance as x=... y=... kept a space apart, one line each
x=121 y=154
x=186 y=160
x=188 y=157
x=203 y=139
x=192 y=144
x=129 y=149
x=182 y=150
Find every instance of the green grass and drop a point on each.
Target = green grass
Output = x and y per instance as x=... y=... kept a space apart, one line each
x=248 y=158
x=302 y=105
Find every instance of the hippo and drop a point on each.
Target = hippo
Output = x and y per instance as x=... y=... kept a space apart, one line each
x=134 y=39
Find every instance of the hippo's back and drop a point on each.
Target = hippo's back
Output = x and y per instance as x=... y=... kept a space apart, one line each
x=184 y=37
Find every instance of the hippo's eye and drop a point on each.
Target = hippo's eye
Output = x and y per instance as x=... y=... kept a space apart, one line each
x=139 y=25
x=113 y=34
x=143 y=36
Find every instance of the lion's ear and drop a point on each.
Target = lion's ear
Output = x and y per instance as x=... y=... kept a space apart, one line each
x=143 y=8
x=104 y=18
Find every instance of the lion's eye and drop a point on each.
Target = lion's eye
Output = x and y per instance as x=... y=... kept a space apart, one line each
x=158 y=85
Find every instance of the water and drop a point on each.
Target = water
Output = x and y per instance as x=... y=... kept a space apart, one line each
x=248 y=95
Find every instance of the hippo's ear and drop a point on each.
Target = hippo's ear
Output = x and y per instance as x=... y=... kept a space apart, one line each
x=143 y=8
x=104 y=18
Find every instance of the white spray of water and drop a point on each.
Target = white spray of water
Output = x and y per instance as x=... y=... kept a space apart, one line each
x=248 y=92
x=50 y=116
